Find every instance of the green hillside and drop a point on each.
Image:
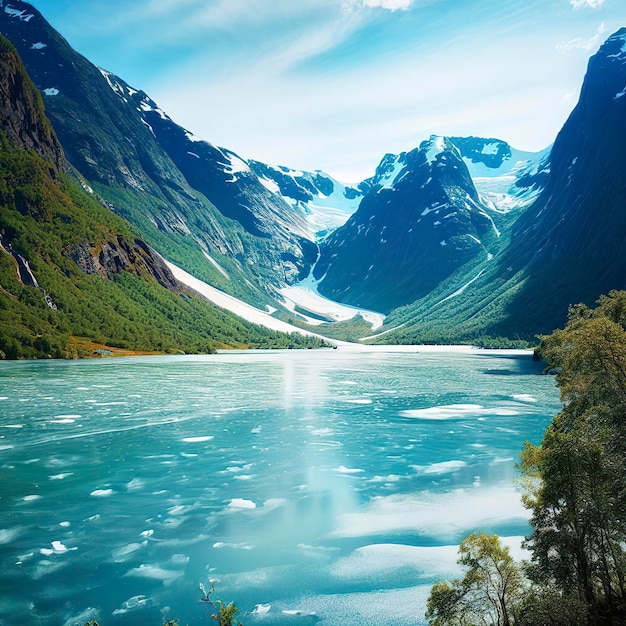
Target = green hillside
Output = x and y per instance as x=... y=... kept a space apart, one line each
x=72 y=275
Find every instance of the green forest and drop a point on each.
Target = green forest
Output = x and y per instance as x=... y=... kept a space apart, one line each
x=573 y=486
x=43 y=217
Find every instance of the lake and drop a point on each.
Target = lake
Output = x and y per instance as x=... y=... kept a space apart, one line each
x=327 y=486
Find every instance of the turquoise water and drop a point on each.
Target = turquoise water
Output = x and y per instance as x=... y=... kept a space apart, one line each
x=315 y=486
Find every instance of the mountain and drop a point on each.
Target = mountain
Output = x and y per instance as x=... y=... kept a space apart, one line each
x=567 y=247
x=325 y=202
x=420 y=219
x=572 y=239
x=200 y=205
x=73 y=277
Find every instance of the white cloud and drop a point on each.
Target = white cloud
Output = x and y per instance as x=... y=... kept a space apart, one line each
x=582 y=43
x=591 y=4
x=394 y=5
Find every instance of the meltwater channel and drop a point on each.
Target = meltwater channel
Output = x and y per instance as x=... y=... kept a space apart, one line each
x=325 y=486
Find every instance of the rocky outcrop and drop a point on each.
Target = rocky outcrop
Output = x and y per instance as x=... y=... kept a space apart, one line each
x=22 y=116
x=119 y=254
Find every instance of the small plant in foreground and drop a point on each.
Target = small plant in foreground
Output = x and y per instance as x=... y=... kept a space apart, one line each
x=225 y=613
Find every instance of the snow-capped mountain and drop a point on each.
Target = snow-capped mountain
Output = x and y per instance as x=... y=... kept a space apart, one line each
x=461 y=228
x=505 y=178
x=326 y=202
x=568 y=246
x=420 y=219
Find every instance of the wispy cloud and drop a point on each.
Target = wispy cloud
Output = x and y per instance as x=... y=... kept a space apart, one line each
x=588 y=44
x=590 y=4
x=392 y=5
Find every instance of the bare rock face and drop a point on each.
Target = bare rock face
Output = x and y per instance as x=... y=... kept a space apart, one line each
x=118 y=255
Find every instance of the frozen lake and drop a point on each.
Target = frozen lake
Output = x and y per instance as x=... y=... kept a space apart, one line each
x=317 y=486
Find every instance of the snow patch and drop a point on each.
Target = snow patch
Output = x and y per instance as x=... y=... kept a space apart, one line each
x=306 y=296
x=230 y=303
x=22 y=15
x=437 y=146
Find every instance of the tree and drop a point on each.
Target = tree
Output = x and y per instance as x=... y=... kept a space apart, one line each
x=489 y=592
x=575 y=487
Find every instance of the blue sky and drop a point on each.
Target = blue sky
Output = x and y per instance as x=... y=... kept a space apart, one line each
x=336 y=84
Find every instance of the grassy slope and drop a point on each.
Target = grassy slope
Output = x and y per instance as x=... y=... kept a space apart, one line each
x=41 y=218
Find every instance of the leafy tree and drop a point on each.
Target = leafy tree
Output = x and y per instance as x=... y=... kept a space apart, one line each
x=487 y=594
x=574 y=481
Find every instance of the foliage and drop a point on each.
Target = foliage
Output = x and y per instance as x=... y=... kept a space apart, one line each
x=578 y=502
x=574 y=488
x=41 y=217
x=487 y=594
x=224 y=613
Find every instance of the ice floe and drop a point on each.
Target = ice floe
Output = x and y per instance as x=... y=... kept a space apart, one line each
x=241 y=503
x=198 y=439
x=102 y=493
x=457 y=411
x=154 y=572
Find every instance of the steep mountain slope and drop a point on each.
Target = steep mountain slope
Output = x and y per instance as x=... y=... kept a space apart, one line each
x=326 y=202
x=421 y=219
x=573 y=238
x=198 y=204
x=72 y=276
x=567 y=247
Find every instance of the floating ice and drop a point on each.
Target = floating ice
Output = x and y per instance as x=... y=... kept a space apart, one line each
x=179 y=509
x=376 y=562
x=218 y=545
x=178 y=560
x=31 y=498
x=524 y=397
x=457 y=411
x=82 y=618
x=261 y=609
x=135 y=484
x=146 y=533
x=274 y=503
x=442 y=516
x=446 y=467
x=7 y=535
x=65 y=524
x=102 y=493
x=134 y=603
x=59 y=547
x=51 y=91
x=121 y=554
x=240 y=503
x=298 y=613
x=154 y=572
x=348 y=470
x=198 y=439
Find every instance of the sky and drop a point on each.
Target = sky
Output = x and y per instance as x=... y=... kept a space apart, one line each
x=336 y=84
